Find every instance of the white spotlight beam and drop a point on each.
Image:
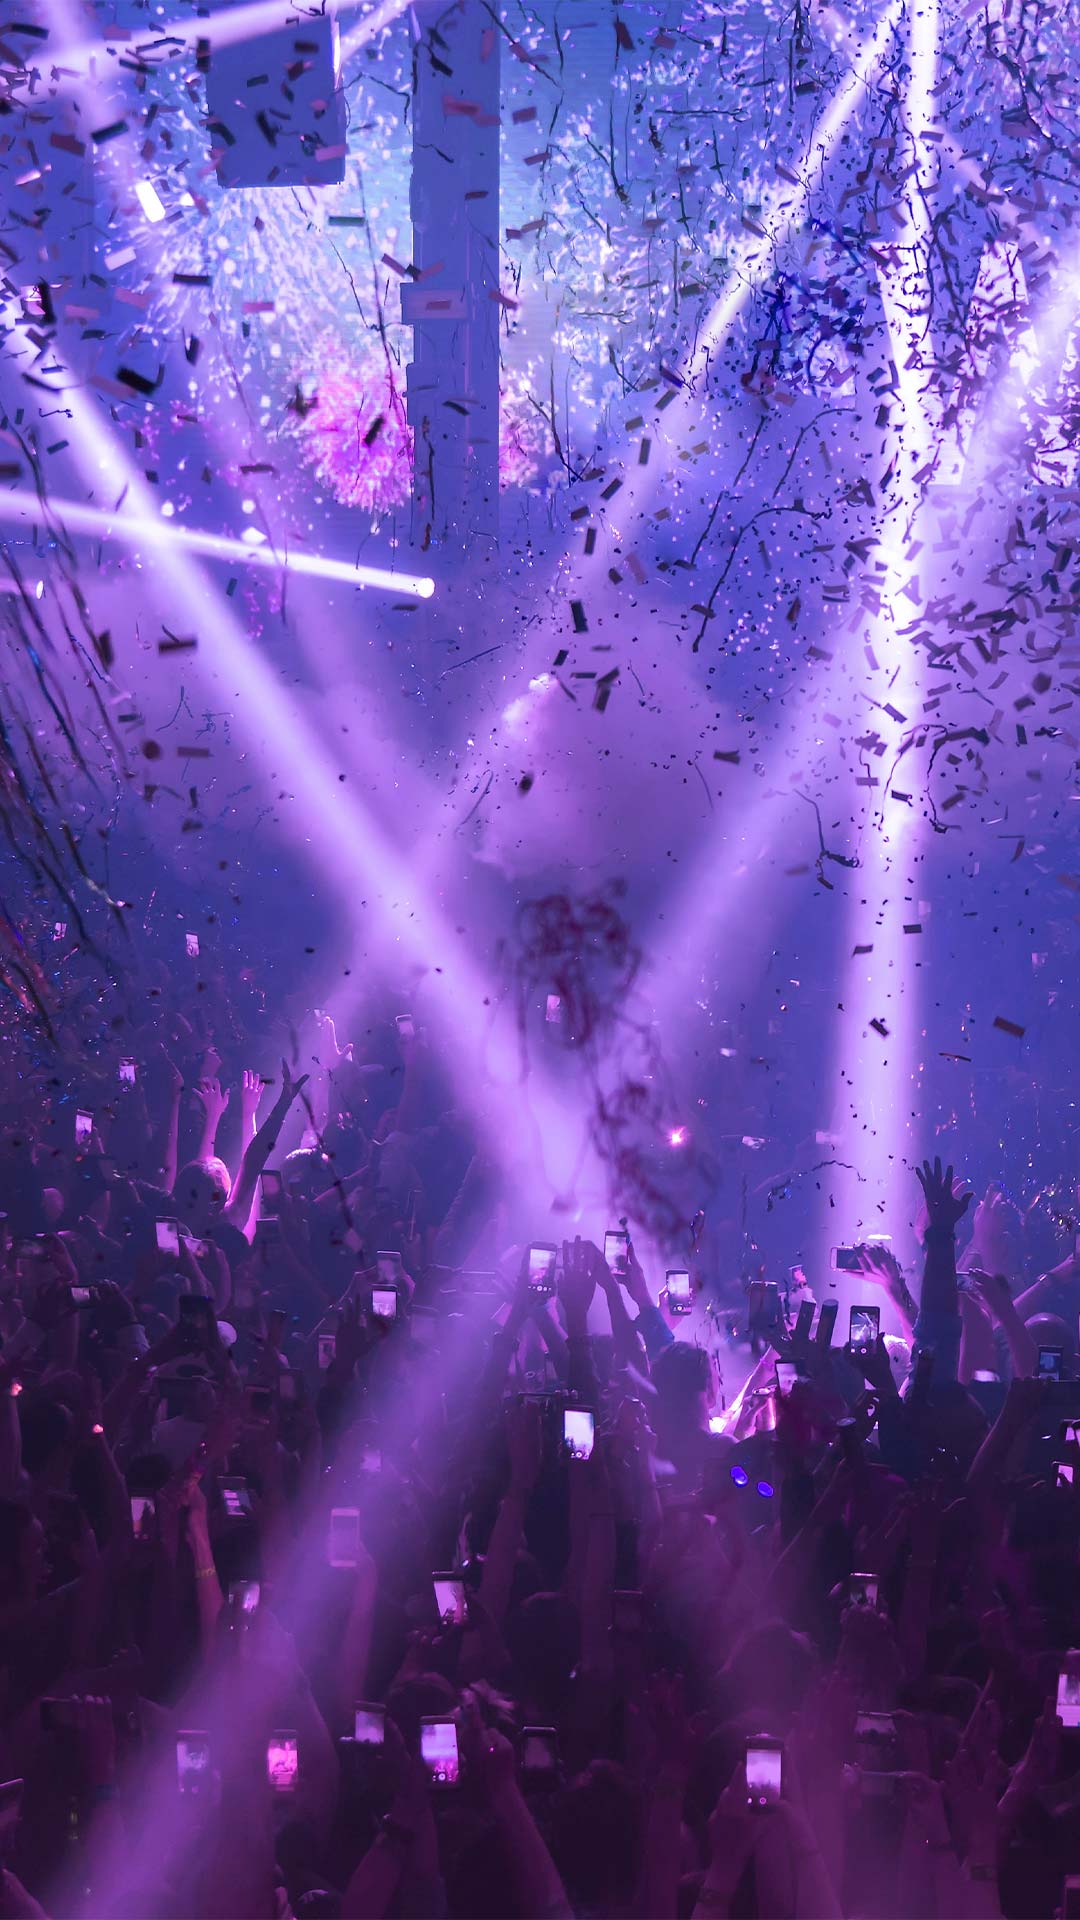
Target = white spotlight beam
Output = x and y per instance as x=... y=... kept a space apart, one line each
x=876 y=1073
x=753 y=261
x=135 y=531
x=69 y=67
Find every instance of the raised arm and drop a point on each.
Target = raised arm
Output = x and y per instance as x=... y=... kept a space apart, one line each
x=938 y=1326
x=993 y=1291
x=540 y=1891
x=259 y=1148
x=524 y=1437
x=164 y=1140
x=214 y=1103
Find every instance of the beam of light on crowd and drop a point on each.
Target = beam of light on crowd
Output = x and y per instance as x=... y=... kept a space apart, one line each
x=874 y=1098
x=305 y=1597
x=150 y=532
x=75 y=60
x=753 y=262
x=522 y=1127
x=343 y=840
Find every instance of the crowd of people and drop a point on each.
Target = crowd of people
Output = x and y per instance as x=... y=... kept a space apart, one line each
x=352 y=1563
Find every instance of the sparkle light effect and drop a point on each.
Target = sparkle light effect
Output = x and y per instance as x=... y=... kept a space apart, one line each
x=143 y=531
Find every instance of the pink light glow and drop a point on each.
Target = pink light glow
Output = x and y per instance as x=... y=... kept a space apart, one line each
x=354 y=433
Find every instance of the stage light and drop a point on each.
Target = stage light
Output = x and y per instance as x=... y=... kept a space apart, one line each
x=133 y=530
x=766 y=1491
x=678 y=1136
x=738 y=1474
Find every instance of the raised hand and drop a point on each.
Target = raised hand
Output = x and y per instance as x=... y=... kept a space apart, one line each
x=251 y=1092
x=578 y=1282
x=213 y=1099
x=525 y=1444
x=944 y=1206
x=290 y=1088
x=992 y=1289
x=880 y=1264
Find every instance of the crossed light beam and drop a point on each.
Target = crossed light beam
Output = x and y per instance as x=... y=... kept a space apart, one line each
x=517 y=1126
x=134 y=531
x=752 y=262
x=345 y=842
x=72 y=64
x=720 y=896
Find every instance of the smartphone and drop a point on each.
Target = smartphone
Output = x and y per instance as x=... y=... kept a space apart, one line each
x=59 y=931
x=384 y=1303
x=1064 y=1473
x=875 y=1727
x=369 y=1724
x=679 y=1297
x=270 y=1189
x=244 y=1597
x=389 y=1268
x=84 y=1127
x=327 y=1350
x=763 y=1302
x=405 y=1025
x=191 y=945
x=260 y=1402
x=439 y=1752
x=876 y=1746
x=143 y=1510
x=1070 y=1433
x=235 y=1498
x=125 y=1073
x=553 y=1009
x=1070 y=1897
x=764 y=1772
x=863 y=1589
x=194 y=1314
x=282 y=1761
x=800 y=1332
x=826 y=1322
x=83 y=1296
x=845 y=1260
x=617 y=1253
x=344 y=1550
x=1050 y=1363
x=167 y=1235
x=193 y=1761
x=541 y=1270
x=539 y=1753
x=787 y=1374
x=1068 y=1692
x=863 y=1329
x=626 y=1609
x=579 y=1432
x=449 y=1599
x=288 y=1386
